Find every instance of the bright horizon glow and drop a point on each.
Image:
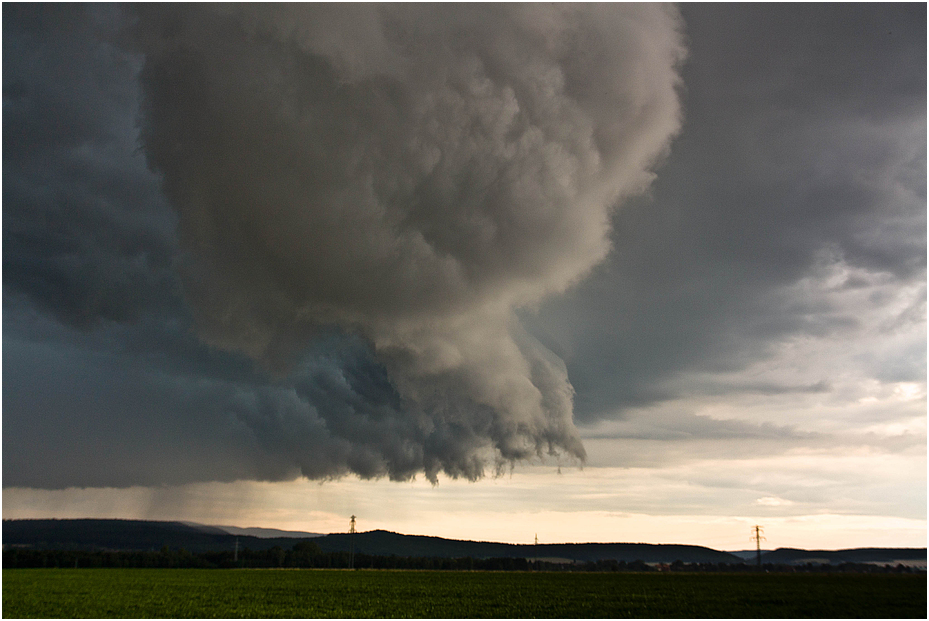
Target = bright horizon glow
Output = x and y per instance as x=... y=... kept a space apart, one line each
x=417 y=508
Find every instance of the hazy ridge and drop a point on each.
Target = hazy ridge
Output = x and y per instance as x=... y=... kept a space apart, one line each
x=94 y=534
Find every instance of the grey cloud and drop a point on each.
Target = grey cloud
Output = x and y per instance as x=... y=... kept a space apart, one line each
x=666 y=436
x=163 y=409
x=765 y=388
x=104 y=421
x=463 y=183
x=803 y=147
x=86 y=234
x=173 y=412
x=411 y=182
x=373 y=202
x=355 y=198
x=678 y=426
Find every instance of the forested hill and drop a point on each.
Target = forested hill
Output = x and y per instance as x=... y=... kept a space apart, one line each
x=793 y=556
x=89 y=534
x=385 y=543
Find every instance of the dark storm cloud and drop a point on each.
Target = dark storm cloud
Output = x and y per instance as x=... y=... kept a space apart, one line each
x=803 y=150
x=410 y=181
x=354 y=197
x=86 y=234
x=349 y=201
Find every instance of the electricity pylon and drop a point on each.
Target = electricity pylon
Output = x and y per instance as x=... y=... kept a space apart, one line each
x=351 y=539
x=758 y=537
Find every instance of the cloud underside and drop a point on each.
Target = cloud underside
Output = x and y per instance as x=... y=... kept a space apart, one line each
x=411 y=182
x=404 y=178
x=270 y=242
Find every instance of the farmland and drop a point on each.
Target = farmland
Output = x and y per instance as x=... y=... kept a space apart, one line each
x=192 y=593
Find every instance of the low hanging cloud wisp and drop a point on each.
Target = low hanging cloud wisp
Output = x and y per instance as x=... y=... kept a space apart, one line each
x=410 y=175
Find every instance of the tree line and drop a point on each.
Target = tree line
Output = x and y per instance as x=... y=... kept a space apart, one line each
x=307 y=554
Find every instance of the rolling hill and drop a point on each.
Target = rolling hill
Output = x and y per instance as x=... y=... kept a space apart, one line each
x=86 y=534
x=882 y=556
x=385 y=543
x=92 y=534
x=261 y=533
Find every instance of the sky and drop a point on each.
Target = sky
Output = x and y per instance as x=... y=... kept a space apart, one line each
x=639 y=273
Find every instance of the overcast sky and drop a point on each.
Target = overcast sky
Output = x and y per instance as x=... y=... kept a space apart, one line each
x=596 y=272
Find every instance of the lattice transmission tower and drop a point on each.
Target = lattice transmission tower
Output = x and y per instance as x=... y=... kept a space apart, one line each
x=757 y=537
x=351 y=544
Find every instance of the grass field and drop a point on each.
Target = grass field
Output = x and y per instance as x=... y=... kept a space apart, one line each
x=194 y=593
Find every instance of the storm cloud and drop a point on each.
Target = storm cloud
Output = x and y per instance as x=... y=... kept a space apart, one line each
x=248 y=242
x=356 y=198
x=792 y=210
x=411 y=181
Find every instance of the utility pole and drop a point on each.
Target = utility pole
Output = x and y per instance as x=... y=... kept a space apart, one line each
x=351 y=539
x=235 y=555
x=758 y=537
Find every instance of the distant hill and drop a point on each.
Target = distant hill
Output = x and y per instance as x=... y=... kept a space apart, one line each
x=883 y=556
x=385 y=543
x=88 y=534
x=747 y=555
x=261 y=533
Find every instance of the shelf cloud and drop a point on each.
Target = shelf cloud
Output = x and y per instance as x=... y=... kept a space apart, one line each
x=409 y=175
x=248 y=243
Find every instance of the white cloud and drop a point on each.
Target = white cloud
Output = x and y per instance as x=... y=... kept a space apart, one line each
x=772 y=501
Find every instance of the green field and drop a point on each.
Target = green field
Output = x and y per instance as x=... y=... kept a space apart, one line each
x=190 y=593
